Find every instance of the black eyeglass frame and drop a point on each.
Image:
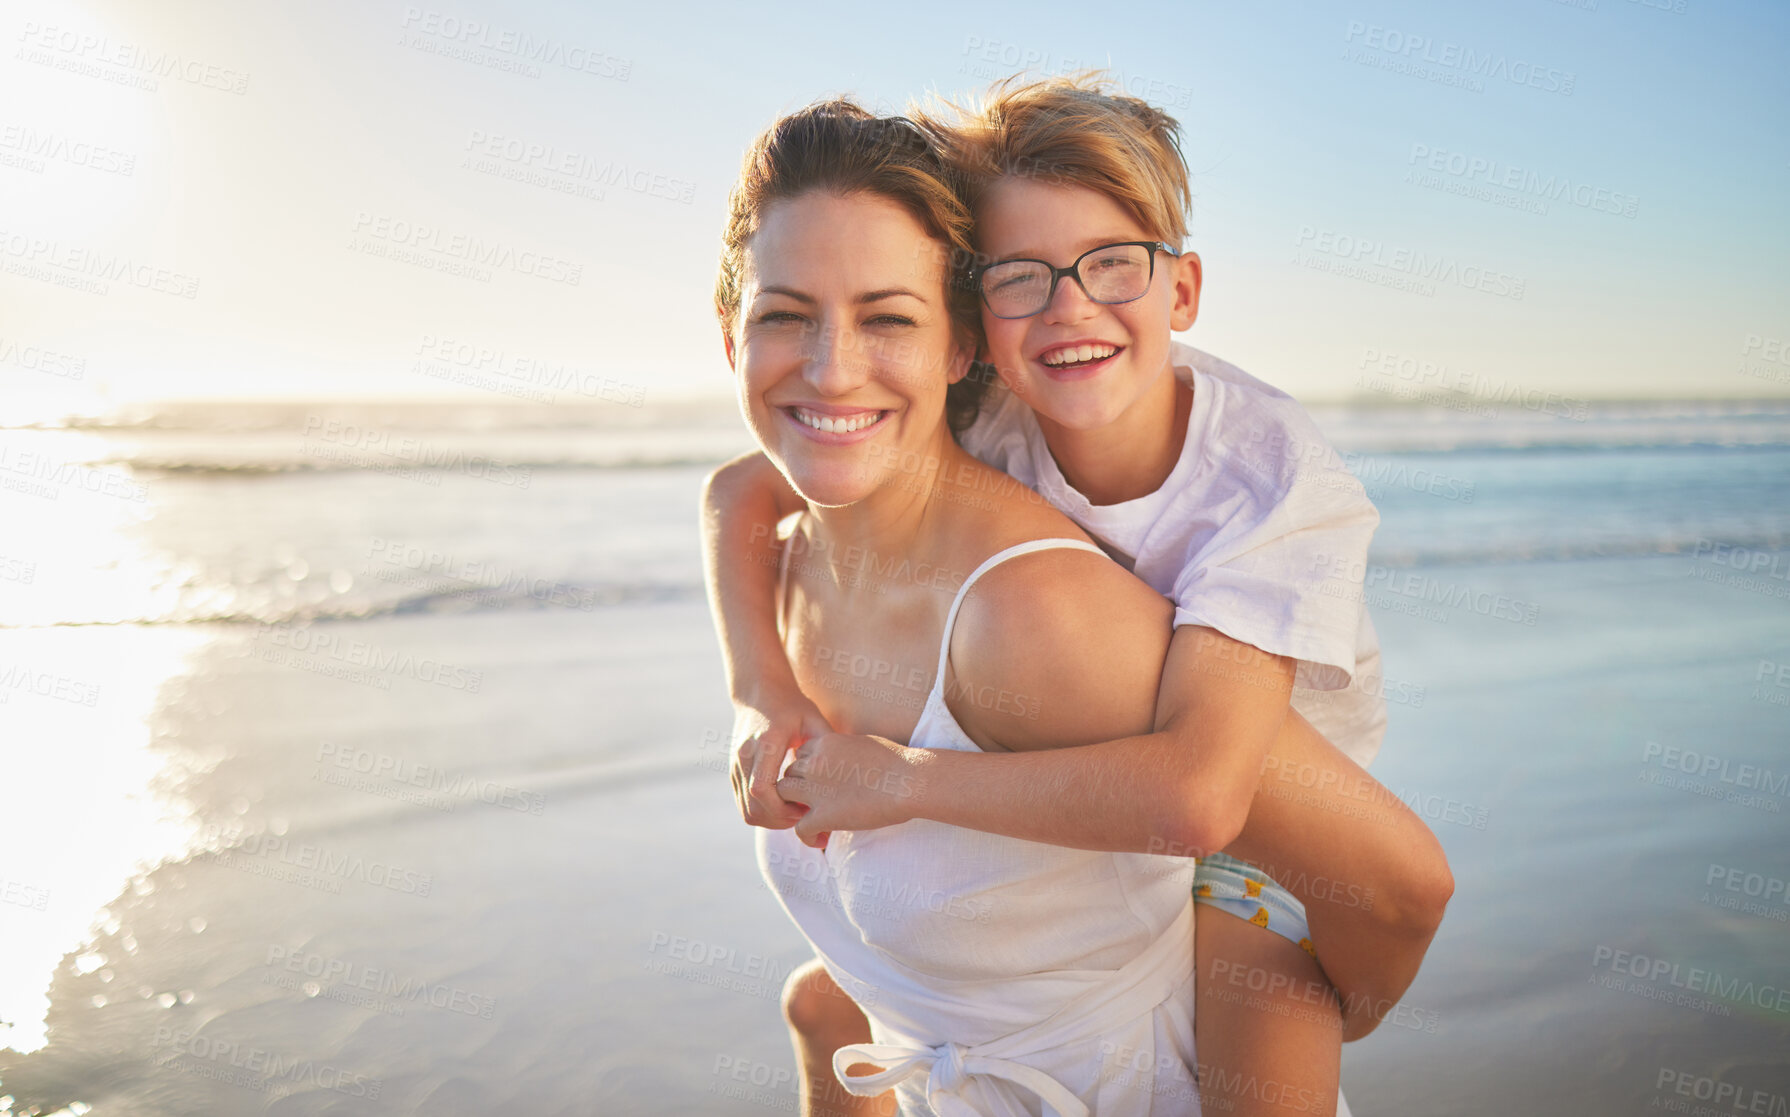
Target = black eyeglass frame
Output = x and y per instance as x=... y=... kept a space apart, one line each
x=1057 y=274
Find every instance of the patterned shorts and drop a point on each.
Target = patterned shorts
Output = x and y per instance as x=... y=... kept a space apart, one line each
x=1249 y=894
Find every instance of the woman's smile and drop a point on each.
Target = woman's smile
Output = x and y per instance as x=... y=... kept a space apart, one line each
x=834 y=425
x=847 y=346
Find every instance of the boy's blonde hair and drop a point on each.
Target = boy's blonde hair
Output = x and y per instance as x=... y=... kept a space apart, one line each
x=1074 y=131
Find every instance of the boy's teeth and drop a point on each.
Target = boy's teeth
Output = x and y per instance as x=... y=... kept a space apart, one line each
x=1079 y=354
x=837 y=426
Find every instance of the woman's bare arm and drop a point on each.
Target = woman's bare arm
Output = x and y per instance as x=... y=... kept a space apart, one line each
x=742 y=503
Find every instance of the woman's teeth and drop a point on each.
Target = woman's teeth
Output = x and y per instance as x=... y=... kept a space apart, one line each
x=837 y=426
x=1080 y=354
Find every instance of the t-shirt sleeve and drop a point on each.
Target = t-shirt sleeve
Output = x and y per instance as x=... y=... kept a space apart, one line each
x=1283 y=567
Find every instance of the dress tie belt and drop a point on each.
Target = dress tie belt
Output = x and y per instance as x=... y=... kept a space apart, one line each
x=1162 y=970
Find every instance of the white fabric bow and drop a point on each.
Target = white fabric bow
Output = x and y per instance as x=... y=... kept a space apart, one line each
x=948 y=1068
x=1162 y=970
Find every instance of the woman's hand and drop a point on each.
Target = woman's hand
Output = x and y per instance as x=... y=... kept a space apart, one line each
x=763 y=734
x=851 y=782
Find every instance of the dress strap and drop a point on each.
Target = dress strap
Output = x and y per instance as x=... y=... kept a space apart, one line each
x=988 y=564
x=783 y=583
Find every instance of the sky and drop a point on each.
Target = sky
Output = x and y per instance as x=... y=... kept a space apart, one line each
x=362 y=198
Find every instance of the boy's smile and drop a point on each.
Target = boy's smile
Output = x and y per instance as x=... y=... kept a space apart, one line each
x=1078 y=359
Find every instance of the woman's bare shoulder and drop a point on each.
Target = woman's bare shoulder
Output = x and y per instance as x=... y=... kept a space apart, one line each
x=997 y=510
x=1075 y=643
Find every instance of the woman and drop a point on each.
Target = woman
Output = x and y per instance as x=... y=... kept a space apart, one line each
x=997 y=974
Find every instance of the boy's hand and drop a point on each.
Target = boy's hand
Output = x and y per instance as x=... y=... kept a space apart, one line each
x=762 y=737
x=850 y=782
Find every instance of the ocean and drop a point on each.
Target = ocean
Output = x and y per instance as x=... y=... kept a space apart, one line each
x=370 y=758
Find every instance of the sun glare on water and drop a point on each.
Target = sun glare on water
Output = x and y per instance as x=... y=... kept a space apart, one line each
x=91 y=803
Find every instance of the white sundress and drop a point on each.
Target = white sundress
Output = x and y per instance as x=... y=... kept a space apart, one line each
x=1001 y=977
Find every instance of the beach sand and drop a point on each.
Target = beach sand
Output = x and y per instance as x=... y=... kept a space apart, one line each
x=436 y=854
x=513 y=898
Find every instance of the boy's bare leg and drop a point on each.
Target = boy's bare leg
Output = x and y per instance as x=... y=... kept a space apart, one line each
x=822 y=1019
x=1266 y=1027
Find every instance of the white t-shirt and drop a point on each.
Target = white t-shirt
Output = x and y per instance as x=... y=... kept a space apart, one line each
x=1260 y=532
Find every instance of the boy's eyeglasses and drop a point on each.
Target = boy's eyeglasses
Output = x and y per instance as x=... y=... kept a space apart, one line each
x=1112 y=273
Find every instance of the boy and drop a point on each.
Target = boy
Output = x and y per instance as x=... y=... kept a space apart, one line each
x=1212 y=487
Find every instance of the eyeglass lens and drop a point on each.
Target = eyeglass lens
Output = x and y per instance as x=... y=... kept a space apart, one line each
x=1113 y=274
